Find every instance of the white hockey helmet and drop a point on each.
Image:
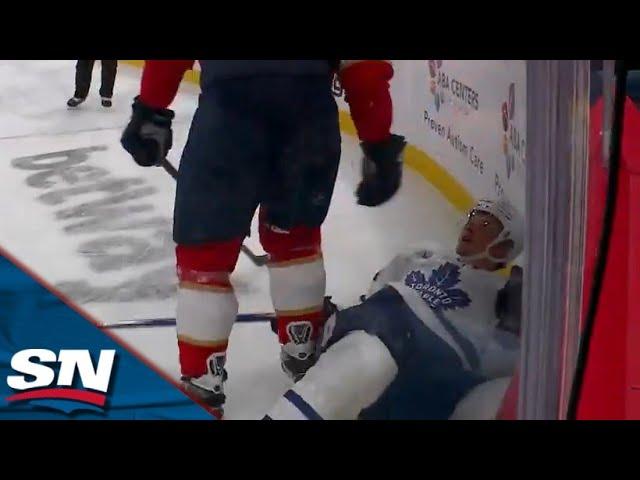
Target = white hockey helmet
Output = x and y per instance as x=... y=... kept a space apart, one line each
x=512 y=228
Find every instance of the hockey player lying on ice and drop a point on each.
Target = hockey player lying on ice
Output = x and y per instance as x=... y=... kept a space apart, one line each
x=425 y=336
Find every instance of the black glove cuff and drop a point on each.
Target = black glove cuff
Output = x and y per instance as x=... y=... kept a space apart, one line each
x=156 y=115
x=385 y=150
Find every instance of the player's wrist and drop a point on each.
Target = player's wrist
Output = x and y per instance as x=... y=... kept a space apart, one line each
x=386 y=150
x=144 y=111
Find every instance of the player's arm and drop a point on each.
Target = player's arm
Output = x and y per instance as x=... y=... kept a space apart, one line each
x=367 y=91
x=160 y=81
x=148 y=136
x=395 y=270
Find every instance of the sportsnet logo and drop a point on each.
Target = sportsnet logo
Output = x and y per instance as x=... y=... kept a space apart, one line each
x=35 y=380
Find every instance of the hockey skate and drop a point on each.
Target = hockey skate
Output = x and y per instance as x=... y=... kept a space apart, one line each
x=296 y=365
x=75 y=101
x=301 y=353
x=209 y=388
x=106 y=102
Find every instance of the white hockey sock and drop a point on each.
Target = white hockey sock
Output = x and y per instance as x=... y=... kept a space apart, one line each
x=205 y=317
x=297 y=284
x=297 y=292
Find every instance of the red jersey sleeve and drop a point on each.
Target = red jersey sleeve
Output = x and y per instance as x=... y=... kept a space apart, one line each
x=366 y=86
x=160 y=81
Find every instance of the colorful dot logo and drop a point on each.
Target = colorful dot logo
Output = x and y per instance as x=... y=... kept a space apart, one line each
x=512 y=142
x=435 y=87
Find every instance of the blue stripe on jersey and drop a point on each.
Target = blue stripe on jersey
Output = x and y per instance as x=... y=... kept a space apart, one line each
x=465 y=344
x=300 y=403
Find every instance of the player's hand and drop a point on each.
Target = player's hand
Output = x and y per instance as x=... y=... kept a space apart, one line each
x=381 y=171
x=509 y=303
x=148 y=136
x=329 y=307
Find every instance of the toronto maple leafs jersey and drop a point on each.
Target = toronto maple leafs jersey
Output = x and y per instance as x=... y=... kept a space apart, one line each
x=455 y=301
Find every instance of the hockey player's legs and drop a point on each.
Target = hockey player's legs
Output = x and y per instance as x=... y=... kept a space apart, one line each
x=217 y=194
x=301 y=179
x=221 y=170
x=432 y=377
x=305 y=154
x=428 y=388
x=207 y=308
x=408 y=372
x=297 y=283
x=351 y=375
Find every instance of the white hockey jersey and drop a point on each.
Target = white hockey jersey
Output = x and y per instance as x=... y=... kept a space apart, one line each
x=444 y=292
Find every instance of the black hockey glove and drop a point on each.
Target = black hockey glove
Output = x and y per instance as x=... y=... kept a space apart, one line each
x=148 y=136
x=509 y=303
x=329 y=307
x=381 y=171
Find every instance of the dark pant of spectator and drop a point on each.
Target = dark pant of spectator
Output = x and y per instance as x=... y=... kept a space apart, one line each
x=84 y=69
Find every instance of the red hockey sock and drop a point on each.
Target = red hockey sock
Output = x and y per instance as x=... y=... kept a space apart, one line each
x=207 y=305
x=297 y=280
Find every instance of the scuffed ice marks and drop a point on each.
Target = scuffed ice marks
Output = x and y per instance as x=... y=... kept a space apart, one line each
x=118 y=251
x=124 y=233
x=154 y=285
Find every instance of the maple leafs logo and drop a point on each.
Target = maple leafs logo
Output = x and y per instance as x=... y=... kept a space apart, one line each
x=438 y=290
x=415 y=280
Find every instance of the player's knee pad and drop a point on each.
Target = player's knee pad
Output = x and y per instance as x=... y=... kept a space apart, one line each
x=206 y=263
x=291 y=244
x=384 y=315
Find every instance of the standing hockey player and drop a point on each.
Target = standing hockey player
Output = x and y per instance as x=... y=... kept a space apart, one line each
x=427 y=334
x=265 y=134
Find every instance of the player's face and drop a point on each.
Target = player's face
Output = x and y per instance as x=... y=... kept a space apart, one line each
x=480 y=230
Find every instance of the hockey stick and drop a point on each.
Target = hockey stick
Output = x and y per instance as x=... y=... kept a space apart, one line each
x=329 y=308
x=258 y=260
x=169 y=168
x=171 y=322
